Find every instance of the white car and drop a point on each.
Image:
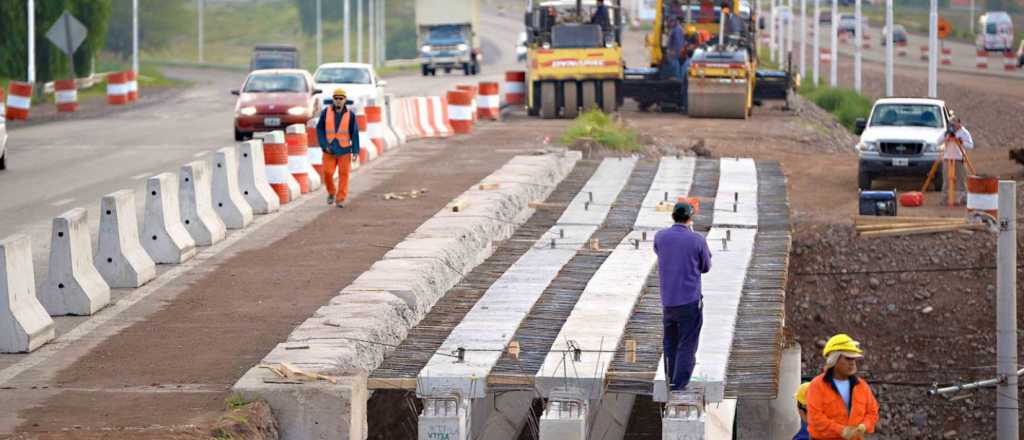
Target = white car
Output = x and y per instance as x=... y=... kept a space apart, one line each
x=901 y=137
x=3 y=141
x=360 y=81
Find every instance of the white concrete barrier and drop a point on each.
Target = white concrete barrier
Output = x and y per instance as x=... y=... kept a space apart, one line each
x=163 y=235
x=196 y=204
x=24 y=323
x=227 y=200
x=119 y=257
x=73 y=285
x=392 y=108
x=252 y=179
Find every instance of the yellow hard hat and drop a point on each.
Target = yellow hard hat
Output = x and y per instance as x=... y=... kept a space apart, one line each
x=801 y=393
x=841 y=342
x=690 y=29
x=339 y=93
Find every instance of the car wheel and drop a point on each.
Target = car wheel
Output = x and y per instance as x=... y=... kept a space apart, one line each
x=239 y=136
x=433 y=72
x=425 y=70
x=863 y=180
x=3 y=161
x=447 y=70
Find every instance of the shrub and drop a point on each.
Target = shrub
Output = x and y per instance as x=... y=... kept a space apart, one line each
x=597 y=126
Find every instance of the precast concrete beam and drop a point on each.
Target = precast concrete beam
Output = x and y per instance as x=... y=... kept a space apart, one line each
x=672 y=181
x=445 y=417
x=163 y=234
x=73 y=285
x=196 y=204
x=120 y=257
x=566 y=415
x=252 y=179
x=24 y=323
x=228 y=202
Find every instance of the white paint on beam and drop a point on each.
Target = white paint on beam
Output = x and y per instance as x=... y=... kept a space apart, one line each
x=671 y=182
x=488 y=328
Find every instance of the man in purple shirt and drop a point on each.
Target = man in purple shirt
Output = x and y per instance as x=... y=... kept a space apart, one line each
x=683 y=255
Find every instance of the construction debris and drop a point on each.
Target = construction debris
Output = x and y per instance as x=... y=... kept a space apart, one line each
x=887 y=226
x=411 y=194
x=289 y=372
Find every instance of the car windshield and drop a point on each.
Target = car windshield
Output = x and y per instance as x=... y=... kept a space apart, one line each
x=990 y=28
x=275 y=83
x=343 y=75
x=445 y=35
x=273 y=61
x=906 y=115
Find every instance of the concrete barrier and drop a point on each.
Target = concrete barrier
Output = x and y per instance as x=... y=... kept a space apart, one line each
x=252 y=179
x=391 y=297
x=120 y=258
x=163 y=235
x=228 y=202
x=24 y=323
x=392 y=135
x=196 y=204
x=73 y=285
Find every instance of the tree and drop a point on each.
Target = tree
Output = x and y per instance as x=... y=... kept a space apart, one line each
x=50 y=62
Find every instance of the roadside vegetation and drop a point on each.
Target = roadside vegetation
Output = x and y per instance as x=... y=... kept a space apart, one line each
x=845 y=104
x=597 y=127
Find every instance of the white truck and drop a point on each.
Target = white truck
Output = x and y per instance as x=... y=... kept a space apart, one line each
x=448 y=35
x=903 y=137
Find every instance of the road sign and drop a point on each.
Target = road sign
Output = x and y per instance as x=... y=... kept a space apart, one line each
x=67 y=33
x=945 y=28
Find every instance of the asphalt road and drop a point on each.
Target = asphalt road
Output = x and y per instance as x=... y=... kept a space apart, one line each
x=55 y=167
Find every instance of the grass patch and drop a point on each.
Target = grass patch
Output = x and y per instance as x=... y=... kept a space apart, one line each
x=599 y=127
x=235 y=401
x=845 y=104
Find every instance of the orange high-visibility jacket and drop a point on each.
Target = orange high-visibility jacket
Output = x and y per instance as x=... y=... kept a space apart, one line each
x=827 y=415
x=333 y=133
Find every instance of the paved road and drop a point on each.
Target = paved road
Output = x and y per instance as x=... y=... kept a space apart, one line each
x=59 y=166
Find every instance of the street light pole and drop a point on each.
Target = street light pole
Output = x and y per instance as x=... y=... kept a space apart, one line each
x=1007 y=407
x=359 y=31
x=31 y=42
x=803 y=38
x=858 y=43
x=888 y=49
x=319 y=34
x=200 y=32
x=383 y=32
x=933 y=50
x=371 y=18
x=816 y=44
x=346 y=22
x=833 y=72
x=135 y=36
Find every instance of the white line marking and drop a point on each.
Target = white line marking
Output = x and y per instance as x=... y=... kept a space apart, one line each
x=62 y=202
x=141 y=176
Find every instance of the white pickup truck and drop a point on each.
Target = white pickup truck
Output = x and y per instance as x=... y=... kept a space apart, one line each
x=902 y=137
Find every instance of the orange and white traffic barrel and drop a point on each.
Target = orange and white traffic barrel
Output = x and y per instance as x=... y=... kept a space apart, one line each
x=133 y=85
x=1009 y=61
x=460 y=111
x=947 y=56
x=825 y=55
x=375 y=127
x=489 y=102
x=901 y=49
x=364 y=138
x=981 y=59
x=275 y=155
x=865 y=42
x=983 y=194
x=515 y=88
x=473 y=94
x=298 y=160
x=315 y=154
x=65 y=94
x=19 y=100
x=117 y=88
x=924 y=52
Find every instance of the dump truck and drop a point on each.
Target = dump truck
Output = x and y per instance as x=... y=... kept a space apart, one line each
x=724 y=80
x=448 y=35
x=574 y=61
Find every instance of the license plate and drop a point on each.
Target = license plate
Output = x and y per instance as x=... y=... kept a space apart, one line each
x=900 y=162
x=271 y=122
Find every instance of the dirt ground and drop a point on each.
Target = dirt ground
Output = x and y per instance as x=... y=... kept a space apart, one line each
x=179 y=362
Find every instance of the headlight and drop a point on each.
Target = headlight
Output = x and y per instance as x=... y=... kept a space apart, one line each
x=868 y=146
x=462 y=47
x=297 y=111
x=247 y=111
x=928 y=146
x=425 y=48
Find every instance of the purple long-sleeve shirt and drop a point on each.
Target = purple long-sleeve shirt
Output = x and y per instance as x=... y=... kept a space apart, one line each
x=683 y=255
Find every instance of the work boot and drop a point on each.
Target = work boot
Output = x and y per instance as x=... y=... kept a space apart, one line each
x=330 y=199
x=340 y=204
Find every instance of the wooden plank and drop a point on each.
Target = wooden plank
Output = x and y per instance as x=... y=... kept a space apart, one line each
x=880 y=227
x=509 y=379
x=488 y=186
x=922 y=230
x=875 y=219
x=404 y=383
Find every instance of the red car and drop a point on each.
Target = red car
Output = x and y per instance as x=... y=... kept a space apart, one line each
x=274 y=99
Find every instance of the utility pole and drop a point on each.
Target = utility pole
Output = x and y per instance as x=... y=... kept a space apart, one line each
x=1007 y=407
x=383 y=32
x=346 y=23
x=773 y=34
x=135 y=36
x=200 y=27
x=371 y=18
x=790 y=23
x=833 y=72
x=933 y=50
x=803 y=38
x=31 y=42
x=319 y=34
x=359 y=31
x=858 y=43
x=972 y=17
x=888 y=49
x=816 y=44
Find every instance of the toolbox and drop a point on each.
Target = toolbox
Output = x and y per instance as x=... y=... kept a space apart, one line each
x=878 y=203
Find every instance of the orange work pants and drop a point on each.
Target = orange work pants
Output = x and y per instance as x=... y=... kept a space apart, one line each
x=343 y=164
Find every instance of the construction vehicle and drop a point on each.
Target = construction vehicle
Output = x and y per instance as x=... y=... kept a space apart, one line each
x=723 y=78
x=573 y=61
x=448 y=33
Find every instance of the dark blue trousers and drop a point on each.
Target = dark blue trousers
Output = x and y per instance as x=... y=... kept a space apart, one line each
x=682 y=332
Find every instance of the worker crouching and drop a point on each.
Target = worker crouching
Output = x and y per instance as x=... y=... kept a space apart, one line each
x=839 y=404
x=338 y=134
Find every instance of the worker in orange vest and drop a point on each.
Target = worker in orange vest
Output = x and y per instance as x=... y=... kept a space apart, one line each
x=839 y=404
x=338 y=134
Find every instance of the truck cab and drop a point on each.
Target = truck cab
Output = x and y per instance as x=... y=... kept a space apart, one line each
x=448 y=47
x=274 y=56
x=902 y=137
